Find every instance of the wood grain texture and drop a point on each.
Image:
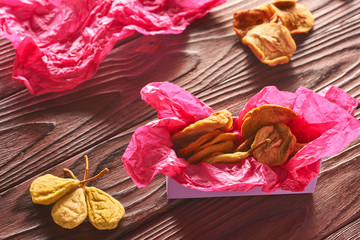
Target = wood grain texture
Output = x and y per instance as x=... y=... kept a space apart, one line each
x=44 y=134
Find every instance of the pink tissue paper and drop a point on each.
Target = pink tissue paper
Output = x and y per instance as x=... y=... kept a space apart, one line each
x=325 y=122
x=60 y=43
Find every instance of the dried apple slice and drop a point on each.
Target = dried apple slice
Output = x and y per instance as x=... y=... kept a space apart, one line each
x=295 y=17
x=278 y=149
x=265 y=115
x=271 y=43
x=244 y=20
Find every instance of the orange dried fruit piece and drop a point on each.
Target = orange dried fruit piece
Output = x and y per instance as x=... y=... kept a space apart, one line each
x=220 y=120
x=295 y=17
x=223 y=137
x=271 y=43
x=277 y=150
x=265 y=115
x=224 y=147
x=244 y=20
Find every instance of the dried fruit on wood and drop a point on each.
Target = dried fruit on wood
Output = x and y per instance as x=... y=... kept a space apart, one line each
x=271 y=43
x=221 y=120
x=70 y=211
x=278 y=149
x=48 y=189
x=104 y=211
x=295 y=17
x=244 y=20
x=264 y=115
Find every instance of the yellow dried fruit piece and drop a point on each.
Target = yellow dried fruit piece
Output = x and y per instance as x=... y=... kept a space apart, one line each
x=278 y=149
x=220 y=120
x=104 y=211
x=225 y=147
x=233 y=157
x=244 y=20
x=48 y=189
x=271 y=43
x=264 y=115
x=189 y=149
x=295 y=17
x=246 y=145
x=70 y=211
x=223 y=137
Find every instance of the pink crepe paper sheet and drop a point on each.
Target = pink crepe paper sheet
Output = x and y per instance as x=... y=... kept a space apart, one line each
x=325 y=121
x=60 y=43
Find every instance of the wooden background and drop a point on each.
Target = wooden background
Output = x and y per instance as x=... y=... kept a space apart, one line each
x=43 y=134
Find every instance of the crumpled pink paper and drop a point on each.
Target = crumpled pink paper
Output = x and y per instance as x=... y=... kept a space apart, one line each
x=60 y=43
x=326 y=122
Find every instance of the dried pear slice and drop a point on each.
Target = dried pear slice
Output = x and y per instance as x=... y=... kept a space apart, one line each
x=225 y=147
x=104 y=211
x=218 y=139
x=244 y=20
x=220 y=120
x=70 y=211
x=278 y=149
x=192 y=147
x=271 y=43
x=264 y=115
x=295 y=17
x=48 y=189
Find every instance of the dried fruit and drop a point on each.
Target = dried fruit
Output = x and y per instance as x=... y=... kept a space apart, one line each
x=270 y=40
x=225 y=147
x=244 y=20
x=233 y=157
x=69 y=211
x=278 y=149
x=295 y=17
x=271 y=43
x=48 y=189
x=221 y=120
x=104 y=211
x=264 y=115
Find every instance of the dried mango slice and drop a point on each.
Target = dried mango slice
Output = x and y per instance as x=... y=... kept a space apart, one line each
x=220 y=120
x=278 y=149
x=264 y=115
x=192 y=147
x=70 y=211
x=218 y=139
x=48 y=189
x=104 y=211
x=295 y=17
x=244 y=20
x=271 y=43
x=225 y=147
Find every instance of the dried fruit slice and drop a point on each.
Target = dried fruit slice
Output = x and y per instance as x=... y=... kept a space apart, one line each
x=189 y=149
x=264 y=115
x=224 y=147
x=70 y=211
x=48 y=189
x=220 y=120
x=104 y=211
x=244 y=20
x=295 y=17
x=278 y=149
x=271 y=43
x=218 y=139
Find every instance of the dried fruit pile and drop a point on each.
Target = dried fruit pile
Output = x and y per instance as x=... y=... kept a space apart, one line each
x=73 y=205
x=265 y=136
x=267 y=29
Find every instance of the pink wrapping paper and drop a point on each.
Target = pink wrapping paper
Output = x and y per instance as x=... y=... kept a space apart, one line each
x=60 y=43
x=325 y=121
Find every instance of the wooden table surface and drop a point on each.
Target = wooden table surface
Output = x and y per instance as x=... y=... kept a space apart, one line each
x=43 y=134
